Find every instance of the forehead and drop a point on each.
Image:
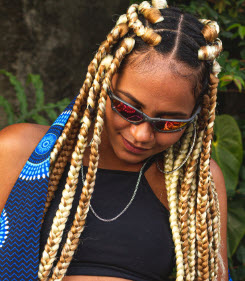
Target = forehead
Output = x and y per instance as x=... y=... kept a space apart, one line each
x=159 y=85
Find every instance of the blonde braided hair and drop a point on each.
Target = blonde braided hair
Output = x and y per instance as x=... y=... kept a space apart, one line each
x=71 y=128
x=62 y=214
x=193 y=202
x=199 y=222
x=83 y=207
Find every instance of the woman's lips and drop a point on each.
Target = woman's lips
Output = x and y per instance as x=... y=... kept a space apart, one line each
x=129 y=146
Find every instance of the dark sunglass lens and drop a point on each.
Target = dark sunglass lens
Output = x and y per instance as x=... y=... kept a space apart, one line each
x=169 y=125
x=127 y=112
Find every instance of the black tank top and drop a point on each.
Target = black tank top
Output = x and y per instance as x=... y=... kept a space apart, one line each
x=136 y=246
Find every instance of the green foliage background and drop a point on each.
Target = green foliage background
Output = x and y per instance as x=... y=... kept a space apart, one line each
x=229 y=139
x=41 y=113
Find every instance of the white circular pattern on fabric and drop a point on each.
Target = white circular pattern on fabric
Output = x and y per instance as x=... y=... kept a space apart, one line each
x=45 y=144
x=62 y=119
x=34 y=171
x=3 y=228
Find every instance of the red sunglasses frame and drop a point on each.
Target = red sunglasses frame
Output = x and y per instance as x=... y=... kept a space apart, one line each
x=152 y=121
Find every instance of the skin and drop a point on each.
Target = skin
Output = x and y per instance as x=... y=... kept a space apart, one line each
x=161 y=90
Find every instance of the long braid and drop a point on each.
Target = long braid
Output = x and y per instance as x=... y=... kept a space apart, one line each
x=213 y=229
x=63 y=212
x=215 y=217
x=183 y=210
x=210 y=269
x=211 y=261
x=83 y=208
x=172 y=199
x=61 y=163
x=168 y=166
x=57 y=162
x=171 y=186
x=201 y=226
x=192 y=229
x=177 y=214
x=77 y=107
x=55 y=173
x=117 y=32
x=202 y=231
x=192 y=203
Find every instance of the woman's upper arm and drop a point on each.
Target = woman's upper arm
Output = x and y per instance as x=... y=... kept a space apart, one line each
x=16 y=145
x=222 y=197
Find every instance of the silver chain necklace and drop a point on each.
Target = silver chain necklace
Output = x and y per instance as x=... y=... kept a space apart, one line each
x=129 y=203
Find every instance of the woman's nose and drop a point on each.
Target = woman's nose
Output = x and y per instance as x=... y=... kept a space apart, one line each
x=142 y=132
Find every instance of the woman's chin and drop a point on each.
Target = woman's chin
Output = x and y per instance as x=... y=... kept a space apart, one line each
x=130 y=157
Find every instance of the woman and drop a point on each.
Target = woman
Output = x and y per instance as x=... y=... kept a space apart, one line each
x=147 y=128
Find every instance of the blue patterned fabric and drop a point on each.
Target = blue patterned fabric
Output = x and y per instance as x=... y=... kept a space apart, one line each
x=20 y=221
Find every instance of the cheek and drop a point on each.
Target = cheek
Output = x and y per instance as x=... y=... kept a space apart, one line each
x=165 y=140
x=112 y=119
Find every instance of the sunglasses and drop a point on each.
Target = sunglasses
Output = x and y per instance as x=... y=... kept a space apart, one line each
x=135 y=116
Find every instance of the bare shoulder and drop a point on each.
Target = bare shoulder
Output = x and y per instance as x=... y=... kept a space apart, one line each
x=17 y=142
x=219 y=182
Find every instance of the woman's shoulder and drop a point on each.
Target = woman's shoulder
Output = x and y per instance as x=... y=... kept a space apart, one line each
x=17 y=142
x=219 y=182
x=218 y=178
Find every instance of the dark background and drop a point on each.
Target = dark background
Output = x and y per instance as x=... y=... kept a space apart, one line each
x=56 y=39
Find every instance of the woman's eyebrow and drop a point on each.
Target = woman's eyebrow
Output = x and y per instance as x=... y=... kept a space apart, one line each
x=131 y=97
x=169 y=113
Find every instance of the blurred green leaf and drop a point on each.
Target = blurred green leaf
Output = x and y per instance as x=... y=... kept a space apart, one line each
x=227 y=78
x=241 y=189
x=51 y=114
x=243 y=53
x=242 y=31
x=36 y=81
x=34 y=114
x=233 y=26
x=242 y=173
x=227 y=150
x=8 y=110
x=241 y=252
x=239 y=82
x=40 y=119
x=20 y=92
x=227 y=34
x=235 y=63
x=235 y=225
x=62 y=104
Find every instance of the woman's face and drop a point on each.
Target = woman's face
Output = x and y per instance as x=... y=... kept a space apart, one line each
x=158 y=92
